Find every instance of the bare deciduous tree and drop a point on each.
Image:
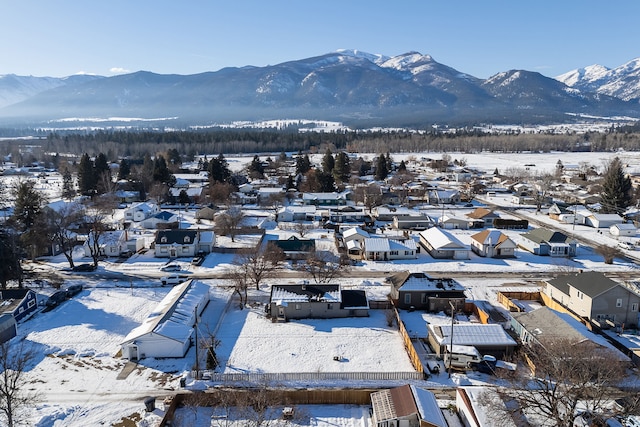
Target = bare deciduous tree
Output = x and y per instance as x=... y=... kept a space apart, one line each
x=608 y=252
x=565 y=378
x=60 y=223
x=322 y=266
x=96 y=216
x=259 y=263
x=228 y=222
x=15 y=399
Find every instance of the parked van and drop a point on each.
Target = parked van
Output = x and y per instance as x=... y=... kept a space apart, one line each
x=462 y=357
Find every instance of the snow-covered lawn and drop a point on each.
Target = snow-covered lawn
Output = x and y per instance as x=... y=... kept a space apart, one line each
x=252 y=343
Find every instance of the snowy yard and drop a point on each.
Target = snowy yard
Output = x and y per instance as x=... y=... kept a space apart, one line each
x=252 y=343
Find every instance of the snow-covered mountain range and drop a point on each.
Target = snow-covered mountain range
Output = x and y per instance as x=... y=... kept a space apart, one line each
x=350 y=86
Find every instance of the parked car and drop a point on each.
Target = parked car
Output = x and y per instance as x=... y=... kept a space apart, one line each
x=171 y=267
x=626 y=245
x=84 y=267
x=173 y=279
x=198 y=260
x=73 y=290
x=56 y=298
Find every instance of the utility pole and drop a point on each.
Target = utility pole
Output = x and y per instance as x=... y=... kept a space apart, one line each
x=451 y=336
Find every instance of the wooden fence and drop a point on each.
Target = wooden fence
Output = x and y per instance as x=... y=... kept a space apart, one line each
x=288 y=377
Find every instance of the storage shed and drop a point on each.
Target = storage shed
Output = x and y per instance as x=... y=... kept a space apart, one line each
x=625 y=229
x=168 y=329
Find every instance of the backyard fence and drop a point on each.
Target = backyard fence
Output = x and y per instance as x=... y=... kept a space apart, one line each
x=284 y=377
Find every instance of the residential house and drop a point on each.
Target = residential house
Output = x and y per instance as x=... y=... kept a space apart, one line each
x=593 y=296
x=421 y=292
x=295 y=213
x=406 y=406
x=295 y=248
x=542 y=241
x=140 y=211
x=206 y=241
x=451 y=222
x=168 y=331
x=389 y=249
x=304 y=301
x=598 y=220
x=544 y=326
x=486 y=338
x=442 y=244
x=439 y=197
x=326 y=199
x=386 y=213
x=20 y=303
x=414 y=222
x=163 y=218
x=481 y=218
x=353 y=242
x=625 y=229
x=206 y=212
x=194 y=194
x=110 y=243
x=176 y=243
x=493 y=244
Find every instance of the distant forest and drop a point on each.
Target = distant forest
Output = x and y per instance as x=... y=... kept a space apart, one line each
x=135 y=145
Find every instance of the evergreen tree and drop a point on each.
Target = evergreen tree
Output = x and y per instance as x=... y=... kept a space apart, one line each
x=382 y=171
x=389 y=161
x=402 y=167
x=616 y=188
x=124 y=170
x=342 y=168
x=303 y=164
x=68 y=189
x=161 y=172
x=10 y=267
x=219 y=170
x=86 y=176
x=326 y=181
x=328 y=162
x=102 y=173
x=255 y=168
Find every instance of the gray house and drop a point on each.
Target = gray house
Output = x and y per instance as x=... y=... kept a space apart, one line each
x=542 y=241
x=421 y=292
x=304 y=301
x=593 y=296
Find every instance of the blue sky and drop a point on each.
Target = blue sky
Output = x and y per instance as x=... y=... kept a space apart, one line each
x=481 y=38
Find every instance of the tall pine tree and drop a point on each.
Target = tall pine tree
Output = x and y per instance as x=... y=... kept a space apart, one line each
x=615 y=196
x=86 y=176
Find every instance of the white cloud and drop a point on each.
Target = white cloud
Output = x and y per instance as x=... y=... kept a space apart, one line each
x=119 y=70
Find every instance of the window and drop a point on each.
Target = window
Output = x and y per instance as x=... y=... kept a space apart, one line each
x=580 y=295
x=329 y=306
x=163 y=239
x=407 y=298
x=297 y=306
x=21 y=309
x=393 y=252
x=31 y=303
x=423 y=298
x=634 y=306
x=619 y=302
x=187 y=239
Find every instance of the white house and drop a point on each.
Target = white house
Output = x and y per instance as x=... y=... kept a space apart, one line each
x=493 y=244
x=111 y=243
x=598 y=220
x=385 y=249
x=140 y=211
x=442 y=244
x=167 y=331
x=295 y=213
x=450 y=222
x=625 y=229
x=176 y=243
x=163 y=217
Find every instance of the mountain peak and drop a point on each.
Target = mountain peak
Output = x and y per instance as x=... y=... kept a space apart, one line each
x=376 y=58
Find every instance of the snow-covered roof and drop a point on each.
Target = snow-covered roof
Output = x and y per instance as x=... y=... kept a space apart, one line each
x=377 y=244
x=173 y=316
x=472 y=334
x=440 y=239
x=351 y=232
x=305 y=293
x=428 y=407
